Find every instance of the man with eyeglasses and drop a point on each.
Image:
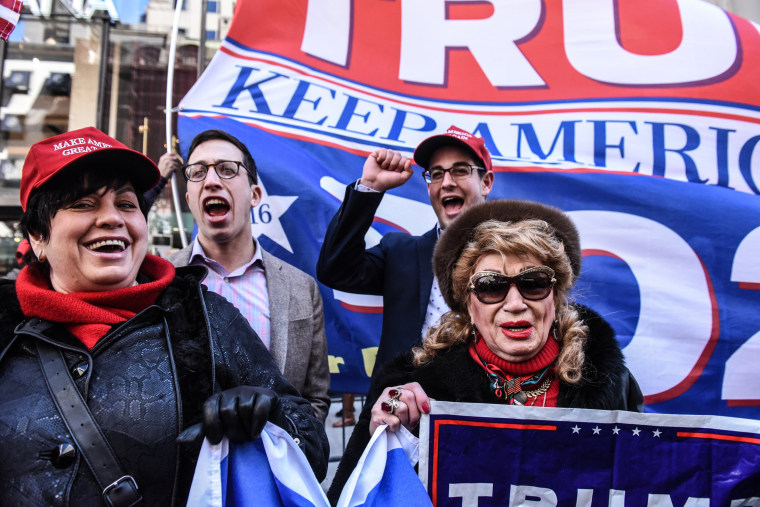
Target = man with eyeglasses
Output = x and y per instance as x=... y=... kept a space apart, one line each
x=458 y=172
x=281 y=302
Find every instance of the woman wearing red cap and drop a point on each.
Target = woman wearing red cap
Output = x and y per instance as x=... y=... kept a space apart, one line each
x=108 y=354
x=505 y=269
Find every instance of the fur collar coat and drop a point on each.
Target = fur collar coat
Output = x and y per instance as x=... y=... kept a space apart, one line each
x=454 y=376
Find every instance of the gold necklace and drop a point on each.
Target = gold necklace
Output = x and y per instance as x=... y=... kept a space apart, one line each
x=541 y=390
x=521 y=397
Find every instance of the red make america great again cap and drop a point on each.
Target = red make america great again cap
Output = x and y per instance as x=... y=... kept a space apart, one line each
x=77 y=149
x=454 y=136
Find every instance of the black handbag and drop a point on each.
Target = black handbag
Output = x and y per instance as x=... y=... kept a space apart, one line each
x=119 y=489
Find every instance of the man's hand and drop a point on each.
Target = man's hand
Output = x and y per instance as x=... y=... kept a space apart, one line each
x=386 y=169
x=168 y=163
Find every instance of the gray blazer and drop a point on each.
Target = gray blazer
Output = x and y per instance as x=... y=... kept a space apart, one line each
x=298 y=342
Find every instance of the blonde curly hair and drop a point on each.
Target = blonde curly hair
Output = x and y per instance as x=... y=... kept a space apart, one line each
x=526 y=237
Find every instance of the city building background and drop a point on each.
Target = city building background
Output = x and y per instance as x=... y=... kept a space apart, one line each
x=64 y=69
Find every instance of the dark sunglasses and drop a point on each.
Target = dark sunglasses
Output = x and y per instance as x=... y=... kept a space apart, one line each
x=533 y=284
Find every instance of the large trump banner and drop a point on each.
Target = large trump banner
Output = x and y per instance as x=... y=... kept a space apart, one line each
x=640 y=118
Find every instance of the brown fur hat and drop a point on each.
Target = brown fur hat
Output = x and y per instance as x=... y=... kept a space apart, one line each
x=459 y=232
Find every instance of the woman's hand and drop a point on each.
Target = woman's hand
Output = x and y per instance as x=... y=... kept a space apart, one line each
x=239 y=414
x=401 y=405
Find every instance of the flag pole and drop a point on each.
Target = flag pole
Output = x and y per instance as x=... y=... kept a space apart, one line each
x=168 y=110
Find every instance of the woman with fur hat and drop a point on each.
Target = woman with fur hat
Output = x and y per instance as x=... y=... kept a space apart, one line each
x=109 y=357
x=505 y=269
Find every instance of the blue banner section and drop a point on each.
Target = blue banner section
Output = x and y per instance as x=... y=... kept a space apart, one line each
x=540 y=456
x=665 y=263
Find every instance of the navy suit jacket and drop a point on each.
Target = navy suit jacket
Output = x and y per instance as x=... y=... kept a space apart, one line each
x=399 y=268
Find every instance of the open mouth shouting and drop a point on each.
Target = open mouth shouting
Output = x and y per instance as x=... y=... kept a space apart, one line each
x=453 y=205
x=107 y=245
x=216 y=206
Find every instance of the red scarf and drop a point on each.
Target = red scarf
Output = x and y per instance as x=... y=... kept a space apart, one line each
x=506 y=370
x=90 y=315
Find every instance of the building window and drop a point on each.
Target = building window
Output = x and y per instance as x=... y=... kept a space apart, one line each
x=18 y=81
x=212 y=6
x=58 y=84
x=211 y=35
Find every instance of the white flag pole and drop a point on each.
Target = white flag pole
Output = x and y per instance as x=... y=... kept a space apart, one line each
x=168 y=110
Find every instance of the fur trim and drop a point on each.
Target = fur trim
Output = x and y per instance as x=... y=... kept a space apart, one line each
x=458 y=233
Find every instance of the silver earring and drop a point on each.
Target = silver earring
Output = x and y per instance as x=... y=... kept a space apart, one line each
x=474 y=332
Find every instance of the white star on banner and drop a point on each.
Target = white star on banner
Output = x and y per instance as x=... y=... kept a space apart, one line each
x=597 y=430
x=265 y=218
x=657 y=433
x=576 y=429
x=636 y=432
x=615 y=430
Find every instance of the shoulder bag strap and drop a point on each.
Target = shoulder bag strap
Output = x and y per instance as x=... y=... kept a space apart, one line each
x=119 y=489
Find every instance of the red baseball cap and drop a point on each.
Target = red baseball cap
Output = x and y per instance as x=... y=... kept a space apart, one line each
x=454 y=136
x=75 y=149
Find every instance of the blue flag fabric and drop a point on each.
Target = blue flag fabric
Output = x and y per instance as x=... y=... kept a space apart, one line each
x=270 y=471
x=273 y=472
x=385 y=473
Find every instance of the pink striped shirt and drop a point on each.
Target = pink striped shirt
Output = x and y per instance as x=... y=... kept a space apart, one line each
x=246 y=288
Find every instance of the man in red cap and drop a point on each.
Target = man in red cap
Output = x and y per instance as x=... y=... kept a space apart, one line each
x=457 y=169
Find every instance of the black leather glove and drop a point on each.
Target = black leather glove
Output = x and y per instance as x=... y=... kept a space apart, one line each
x=239 y=414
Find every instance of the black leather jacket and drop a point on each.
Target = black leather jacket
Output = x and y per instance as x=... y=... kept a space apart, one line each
x=144 y=382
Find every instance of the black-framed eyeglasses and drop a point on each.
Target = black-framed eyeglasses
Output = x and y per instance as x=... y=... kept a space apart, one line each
x=458 y=171
x=225 y=169
x=533 y=284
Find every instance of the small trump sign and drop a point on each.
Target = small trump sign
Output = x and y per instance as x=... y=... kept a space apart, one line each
x=489 y=455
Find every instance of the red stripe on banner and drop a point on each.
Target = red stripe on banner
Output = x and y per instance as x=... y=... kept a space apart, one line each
x=749 y=285
x=743 y=403
x=716 y=436
x=361 y=309
x=590 y=252
x=392 y=224
x=478 y=424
